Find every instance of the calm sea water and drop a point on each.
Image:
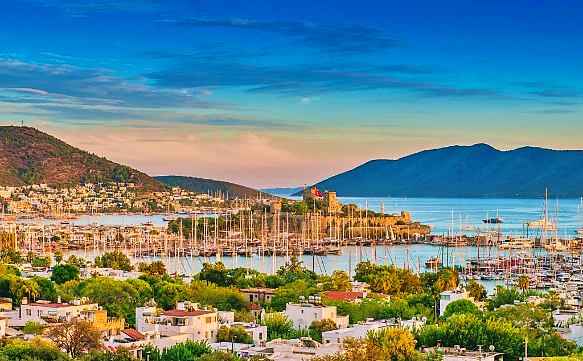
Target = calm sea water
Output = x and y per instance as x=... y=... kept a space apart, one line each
x=443 y=214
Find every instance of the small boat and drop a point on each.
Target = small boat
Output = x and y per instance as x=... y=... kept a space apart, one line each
x=169 y=219
x=496 y=220
x=433 y=262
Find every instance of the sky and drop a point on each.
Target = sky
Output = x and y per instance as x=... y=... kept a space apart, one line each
x=286 y=93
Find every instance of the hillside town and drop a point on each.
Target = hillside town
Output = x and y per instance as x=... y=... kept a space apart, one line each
x=258 y=318
x=42 y=200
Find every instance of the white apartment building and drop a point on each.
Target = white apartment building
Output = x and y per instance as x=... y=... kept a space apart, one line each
x=361 y=329
x=447 y=297
x=187 y=319
x=45 y=312
x=304 y=313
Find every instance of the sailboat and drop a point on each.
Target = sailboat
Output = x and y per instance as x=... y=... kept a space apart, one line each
x=580 y=213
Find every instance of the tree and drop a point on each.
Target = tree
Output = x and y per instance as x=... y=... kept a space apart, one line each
x=189 y=350
x=76 y=337
x=34 y=349
x=214 y=273
x=121 y=354
x=461 y=307
x=504 y=296
x=447 y=279
x=32 y=328
x=277 y=324
x=115 y=260
x=236 y=334
x=58 y=257
x=64 y=272
x=154 y=269
x=340 y=281
x=47 y=289
x=319 y=326
x=397 y=344
x=476 y=290
x=523 y=282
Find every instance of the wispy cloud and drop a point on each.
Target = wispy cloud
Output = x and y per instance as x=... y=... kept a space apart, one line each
x=551 y=90
x=302 y=80
x=91 y=85
x=342 y=38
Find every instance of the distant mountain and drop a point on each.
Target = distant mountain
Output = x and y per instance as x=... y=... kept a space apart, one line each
x=203 y=185
x=29 y=156
x=466 y=171
x=282 y=192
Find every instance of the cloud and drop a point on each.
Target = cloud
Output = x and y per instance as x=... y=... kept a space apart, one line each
x=91 y=85
x=551 y=90
x=302 y=80
x=342 y=39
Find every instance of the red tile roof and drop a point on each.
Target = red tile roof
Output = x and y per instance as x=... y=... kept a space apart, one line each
x=133 y=334
x=342 y=296
x=184 y=313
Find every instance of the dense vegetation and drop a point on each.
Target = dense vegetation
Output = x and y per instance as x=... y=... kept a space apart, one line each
x=29 y=156
x=505 y=323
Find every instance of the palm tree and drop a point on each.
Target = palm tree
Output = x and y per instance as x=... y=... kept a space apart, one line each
x=523 y=282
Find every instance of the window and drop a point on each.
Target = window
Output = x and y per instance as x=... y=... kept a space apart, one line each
x=209 y=319
x=261 y=335
x=28 y=312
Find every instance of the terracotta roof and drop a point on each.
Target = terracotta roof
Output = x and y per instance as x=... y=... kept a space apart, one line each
x=184 y=313
x=133 y=334
x=258 y=290
x=342 y=296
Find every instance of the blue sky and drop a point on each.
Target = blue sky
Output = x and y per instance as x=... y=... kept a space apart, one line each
x=279 y=93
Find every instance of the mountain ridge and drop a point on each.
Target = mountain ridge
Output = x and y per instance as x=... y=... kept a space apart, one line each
x=204 y=185
x=29 y=156
x=457 y=171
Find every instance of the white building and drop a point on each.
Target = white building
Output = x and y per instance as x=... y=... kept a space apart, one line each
x=304 y=313
x=447 y=297
x=361 y=329
x=45 y=312
x=3 y=325
x=186 y=319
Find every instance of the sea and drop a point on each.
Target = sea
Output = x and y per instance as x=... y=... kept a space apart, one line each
x=445 y=215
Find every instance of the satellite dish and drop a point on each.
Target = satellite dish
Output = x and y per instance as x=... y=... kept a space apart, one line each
x=491 y=348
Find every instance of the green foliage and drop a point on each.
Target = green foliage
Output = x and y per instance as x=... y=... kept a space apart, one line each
x=278 y=325
x=189 y=350
x=37 y=349
x=504 y=296
x=236 y=334
x=121 y=354
x=119 y=298
x=319 y=326
x=389 y=279
x=64 y=272
x=116 y=260
x=32 y=328
x=476 y=290
x=461 y=307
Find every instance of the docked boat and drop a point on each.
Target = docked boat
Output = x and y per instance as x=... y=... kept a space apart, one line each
x=433 y=263
x=518 y=243
x=496 y=220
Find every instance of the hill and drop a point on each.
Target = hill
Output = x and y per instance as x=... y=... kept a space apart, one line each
x=29 y=156
x=466 y=171
x=282 y=191
x=203 y=185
